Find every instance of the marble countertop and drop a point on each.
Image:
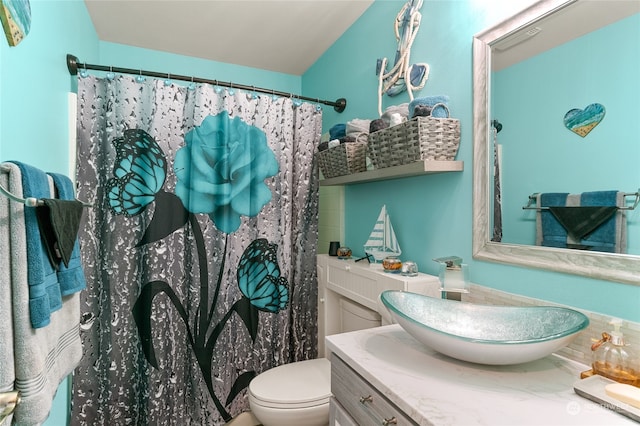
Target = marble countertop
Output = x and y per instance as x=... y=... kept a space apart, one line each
x=434 y=389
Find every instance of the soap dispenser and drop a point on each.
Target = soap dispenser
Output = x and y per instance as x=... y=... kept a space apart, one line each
x=614 y=359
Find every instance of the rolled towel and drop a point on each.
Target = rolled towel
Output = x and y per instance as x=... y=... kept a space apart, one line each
x=402 y=109
x=357 y=125
x=421 y=111
x=396 y=119
x=338 y=131
x=429 y=101
x=348 y=139
x=359 y=129
x=377 y=124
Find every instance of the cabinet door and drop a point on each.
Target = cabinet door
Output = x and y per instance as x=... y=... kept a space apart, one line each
x=363 y=283
x=361 y=400
x=338 y=416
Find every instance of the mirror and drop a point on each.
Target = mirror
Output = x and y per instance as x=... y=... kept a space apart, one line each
x=608 y=266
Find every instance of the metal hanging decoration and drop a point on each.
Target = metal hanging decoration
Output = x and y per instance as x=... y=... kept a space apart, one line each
x=403 y=76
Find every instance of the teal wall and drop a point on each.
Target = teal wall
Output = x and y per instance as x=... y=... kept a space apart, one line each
x=33 y=101
x=553 y=159
x=432 y=215
x=35 y=83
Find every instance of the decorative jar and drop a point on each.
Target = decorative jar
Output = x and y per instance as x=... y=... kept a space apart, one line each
x=344 y=253
x=391 y=264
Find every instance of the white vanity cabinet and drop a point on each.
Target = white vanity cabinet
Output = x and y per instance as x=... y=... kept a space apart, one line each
x=342 y=280
x=383 y=375
x=357 y=402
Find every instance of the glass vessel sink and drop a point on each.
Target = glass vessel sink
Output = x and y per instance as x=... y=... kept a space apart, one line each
x=483 y=334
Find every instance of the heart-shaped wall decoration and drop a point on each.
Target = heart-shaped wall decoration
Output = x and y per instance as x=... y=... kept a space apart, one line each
x=582 y=121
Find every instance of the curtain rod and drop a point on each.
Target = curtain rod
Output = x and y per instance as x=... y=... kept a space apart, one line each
x=73 y=65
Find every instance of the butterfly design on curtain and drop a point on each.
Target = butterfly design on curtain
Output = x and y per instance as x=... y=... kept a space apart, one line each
x=139 y=174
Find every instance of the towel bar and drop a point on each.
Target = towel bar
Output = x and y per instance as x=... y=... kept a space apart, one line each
x=534 y=197
x=8 y=403
x=29 y=201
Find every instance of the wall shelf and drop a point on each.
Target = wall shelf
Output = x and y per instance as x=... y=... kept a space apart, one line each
x=417 y=168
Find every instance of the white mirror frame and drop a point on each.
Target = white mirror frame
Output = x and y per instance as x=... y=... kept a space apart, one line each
x=606 y=266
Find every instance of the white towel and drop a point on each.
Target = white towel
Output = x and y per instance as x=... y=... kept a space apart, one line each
x=359 y=129
x=33 y=361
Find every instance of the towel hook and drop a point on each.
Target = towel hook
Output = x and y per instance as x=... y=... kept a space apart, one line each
x=28 y=201
x=534 y=197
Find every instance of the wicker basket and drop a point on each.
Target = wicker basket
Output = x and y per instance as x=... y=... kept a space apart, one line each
x=422 y=138
x=344 y=159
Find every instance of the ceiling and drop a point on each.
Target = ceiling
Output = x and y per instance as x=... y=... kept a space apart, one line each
x=285 y=36
x=566 y=24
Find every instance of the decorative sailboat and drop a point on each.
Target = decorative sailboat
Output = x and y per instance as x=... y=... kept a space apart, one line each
x=382 y=241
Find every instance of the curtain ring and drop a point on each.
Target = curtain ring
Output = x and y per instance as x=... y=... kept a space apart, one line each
x=140 y=78
x=295 y=100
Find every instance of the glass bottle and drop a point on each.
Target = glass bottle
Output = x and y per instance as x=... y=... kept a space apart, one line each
x=614 y=359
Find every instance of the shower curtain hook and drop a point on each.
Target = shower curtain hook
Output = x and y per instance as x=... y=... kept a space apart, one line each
x=192 y=85
x=231 y=91
x=83 y=72
x=140 y=78
x=110 y=74
x=216 y=87
x=253 y=94
x=273 y=95
x=296 y=101
x=318 y=106
x=167 y=81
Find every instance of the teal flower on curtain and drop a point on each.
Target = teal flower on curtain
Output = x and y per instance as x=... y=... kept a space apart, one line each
x=139 y=172
x=222 y=168
x=220 y=172
x=259 y=277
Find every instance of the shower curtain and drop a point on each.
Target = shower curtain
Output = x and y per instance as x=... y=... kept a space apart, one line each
x=199 y=250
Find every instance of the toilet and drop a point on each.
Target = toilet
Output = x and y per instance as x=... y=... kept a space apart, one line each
x=298 y=393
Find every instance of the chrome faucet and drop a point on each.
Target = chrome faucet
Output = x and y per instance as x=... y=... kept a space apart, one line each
x=454 y=277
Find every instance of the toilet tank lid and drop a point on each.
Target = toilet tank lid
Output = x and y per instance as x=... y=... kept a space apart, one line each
x=297 y=382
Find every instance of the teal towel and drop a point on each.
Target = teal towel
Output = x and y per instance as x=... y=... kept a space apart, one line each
x=594 y=221
x=430 y=101
x=44 y=291
x=553 y=233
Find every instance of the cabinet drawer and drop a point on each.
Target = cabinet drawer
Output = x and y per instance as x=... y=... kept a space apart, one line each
x=362 y=401
x=363 y=283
